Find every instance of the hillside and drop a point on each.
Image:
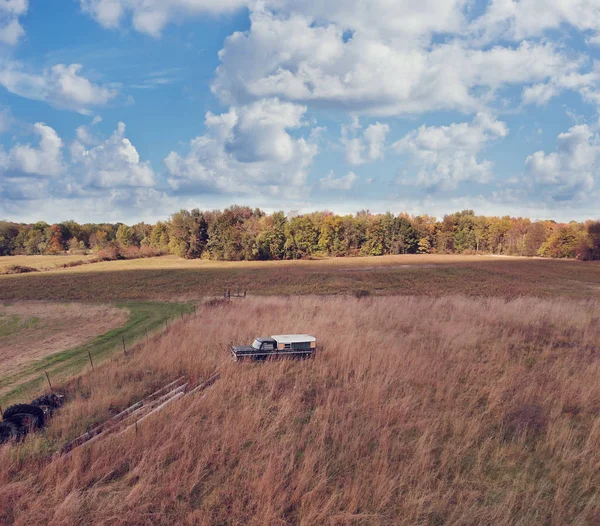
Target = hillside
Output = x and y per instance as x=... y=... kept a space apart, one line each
x=415 y=411
x=172 y=278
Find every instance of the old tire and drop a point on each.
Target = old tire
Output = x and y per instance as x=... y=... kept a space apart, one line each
x=51 y=401
x=8 y=432
x=25 y=416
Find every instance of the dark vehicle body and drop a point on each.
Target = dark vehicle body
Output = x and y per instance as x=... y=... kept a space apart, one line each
x=291 y=345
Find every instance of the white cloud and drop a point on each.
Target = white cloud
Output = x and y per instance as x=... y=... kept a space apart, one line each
x=247 y=150
x=11 y=30
x=295 y=58
x=526 y=18
x=448 y=155
x=345 y=183
x=114 y=163
x=364 y=146
x=398 y=19
x=45 y=160
x=151 y=16
x=86 y=137
x=569 y=172
x=61 y=86
x=585 y=83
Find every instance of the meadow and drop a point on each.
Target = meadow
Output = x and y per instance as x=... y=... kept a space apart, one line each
x=170 y=278
x=447 y=390
x=416 y=410
x=41 y=262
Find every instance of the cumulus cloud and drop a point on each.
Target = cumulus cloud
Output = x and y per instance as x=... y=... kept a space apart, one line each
x=44 y=160
x=295 y=58
x=151 y=16
x=11 y=30
x=61 y=86
x=26 y=169
x=112 y=164
x=344 y=183
x=247 y=150
x=362 y=146
x=570 y=172
x=448 y=155
x=526 y=18
x=112 y=167
x=585 y=83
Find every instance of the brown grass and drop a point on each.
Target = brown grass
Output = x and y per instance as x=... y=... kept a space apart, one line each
x=41 y=262
x=37 y=329
x=169 y=278
x=416 y=411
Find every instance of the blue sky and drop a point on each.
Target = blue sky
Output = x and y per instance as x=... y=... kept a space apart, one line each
x=127 y=110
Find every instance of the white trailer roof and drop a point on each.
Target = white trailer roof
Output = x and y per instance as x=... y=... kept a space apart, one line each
x=293 y=338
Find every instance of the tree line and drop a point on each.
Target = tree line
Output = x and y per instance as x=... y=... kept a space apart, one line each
x=242 y=233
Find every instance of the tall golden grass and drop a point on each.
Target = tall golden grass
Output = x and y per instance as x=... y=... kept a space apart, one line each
x=415 y=411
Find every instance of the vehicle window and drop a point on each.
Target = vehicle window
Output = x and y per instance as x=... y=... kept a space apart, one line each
x=268 y=347
x=256 y=345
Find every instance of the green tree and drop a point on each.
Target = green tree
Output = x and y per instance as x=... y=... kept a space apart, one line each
x=8 y=235
x=125 y=236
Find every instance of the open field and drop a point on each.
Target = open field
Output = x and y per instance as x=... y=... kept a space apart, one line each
x=169 y=278
x=40 y=262
x=32 y=330
x=63 y=351
x=416 y=411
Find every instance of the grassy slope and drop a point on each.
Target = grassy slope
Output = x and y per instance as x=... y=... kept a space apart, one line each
x=168 y=278
x=40 y=262
x=416 y=411
x=143 y=315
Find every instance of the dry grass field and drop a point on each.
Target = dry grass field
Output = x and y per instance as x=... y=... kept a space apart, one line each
x=417 y=410
x=40 y=262
x=169 y=278
x=32 y=330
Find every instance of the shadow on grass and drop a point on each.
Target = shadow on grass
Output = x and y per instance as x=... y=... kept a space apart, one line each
x=504 y=278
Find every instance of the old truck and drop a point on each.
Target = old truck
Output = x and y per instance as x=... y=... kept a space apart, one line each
x=281 y=345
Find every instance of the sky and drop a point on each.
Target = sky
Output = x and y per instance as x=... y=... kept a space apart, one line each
x=129 y=110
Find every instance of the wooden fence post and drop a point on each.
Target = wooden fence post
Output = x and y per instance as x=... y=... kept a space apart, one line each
x=146 y=334
x=91 y=362
x=48 y=378
x=124 y=348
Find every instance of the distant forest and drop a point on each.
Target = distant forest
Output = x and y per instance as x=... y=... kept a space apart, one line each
x=242 y=233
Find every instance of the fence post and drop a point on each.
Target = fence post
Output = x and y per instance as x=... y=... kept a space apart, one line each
x=146 y=334
x=48 y=378
x=91 y=362
x=167 y=324
x=124 y=348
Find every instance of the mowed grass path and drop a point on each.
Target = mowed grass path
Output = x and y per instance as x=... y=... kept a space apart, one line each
x=171 y=278
x=144 y=316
